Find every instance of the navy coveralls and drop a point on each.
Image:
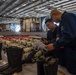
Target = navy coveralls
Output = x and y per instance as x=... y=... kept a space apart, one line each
x=51 y=36
x=67 y=34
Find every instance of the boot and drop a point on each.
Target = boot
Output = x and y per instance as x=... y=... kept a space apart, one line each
x=51 y=67
x=46 y=69
x=4 y=67
x=55 y=68
x=40 y=68
x=0 y=51
x=15 y=55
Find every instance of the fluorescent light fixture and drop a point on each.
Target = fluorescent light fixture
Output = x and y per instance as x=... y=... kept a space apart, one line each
x=51 y=4
x=24 y=5
x=16 y=8
x=58 y=8
x=4 y=0
x=33 y=0
x=11 y=11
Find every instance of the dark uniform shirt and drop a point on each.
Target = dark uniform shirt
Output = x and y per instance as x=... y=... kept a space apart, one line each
x=67 y=34
x=67 y=31
x=51 y=36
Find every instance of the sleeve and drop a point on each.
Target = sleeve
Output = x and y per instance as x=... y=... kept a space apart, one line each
x=68 y=33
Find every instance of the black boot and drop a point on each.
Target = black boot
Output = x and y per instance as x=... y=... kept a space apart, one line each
x=4 y=67
x=15 y=55
x=46 y=69
x=0 y=51
x=40 y=67
x=51 y=67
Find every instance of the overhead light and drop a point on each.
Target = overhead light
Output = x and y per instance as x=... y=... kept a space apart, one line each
x=11 y=11
x=3 y=0
x=33 y=0
x=58 y=8
x=51 y=5
x=24 y=5
x=16 y=8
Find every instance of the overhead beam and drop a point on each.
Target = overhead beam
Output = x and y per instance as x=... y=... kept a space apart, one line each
x=6 y=3
x=24 y=10
x=13 y=5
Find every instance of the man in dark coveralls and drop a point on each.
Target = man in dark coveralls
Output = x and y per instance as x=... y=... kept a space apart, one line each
x=51 y=33
x=67 y=38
